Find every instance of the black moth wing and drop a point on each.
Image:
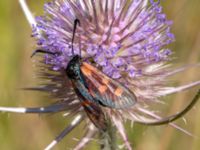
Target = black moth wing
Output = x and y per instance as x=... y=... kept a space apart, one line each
x=105 y=90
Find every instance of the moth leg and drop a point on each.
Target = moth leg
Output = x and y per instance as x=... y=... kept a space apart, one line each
x=68 y=129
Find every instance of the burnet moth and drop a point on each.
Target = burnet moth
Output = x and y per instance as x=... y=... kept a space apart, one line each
x=93 y=88
x=96 y=90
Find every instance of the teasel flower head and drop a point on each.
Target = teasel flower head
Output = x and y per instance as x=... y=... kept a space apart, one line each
x=127 y=40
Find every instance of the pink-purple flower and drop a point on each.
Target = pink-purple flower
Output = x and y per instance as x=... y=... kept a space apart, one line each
x=123 y=38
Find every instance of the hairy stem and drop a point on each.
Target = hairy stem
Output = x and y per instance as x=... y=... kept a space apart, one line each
x=108 y=137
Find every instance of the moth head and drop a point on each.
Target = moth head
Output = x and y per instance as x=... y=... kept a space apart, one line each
x=73 y=67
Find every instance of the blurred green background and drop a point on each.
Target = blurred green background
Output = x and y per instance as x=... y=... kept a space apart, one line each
x=33 y=132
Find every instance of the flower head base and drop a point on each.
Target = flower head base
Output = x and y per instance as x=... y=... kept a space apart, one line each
x=125 y=40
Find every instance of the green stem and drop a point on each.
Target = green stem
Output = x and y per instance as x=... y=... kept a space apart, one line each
x=108 y=137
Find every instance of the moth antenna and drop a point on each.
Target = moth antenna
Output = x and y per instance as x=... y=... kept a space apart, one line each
x=42 y=51
x=76 y=21
x=80 y=44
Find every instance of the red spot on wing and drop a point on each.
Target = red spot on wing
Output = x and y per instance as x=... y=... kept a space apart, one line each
x=90 y=67
x=85 y=103
x=102 y=89
x=118 y=92
x=86 y=71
